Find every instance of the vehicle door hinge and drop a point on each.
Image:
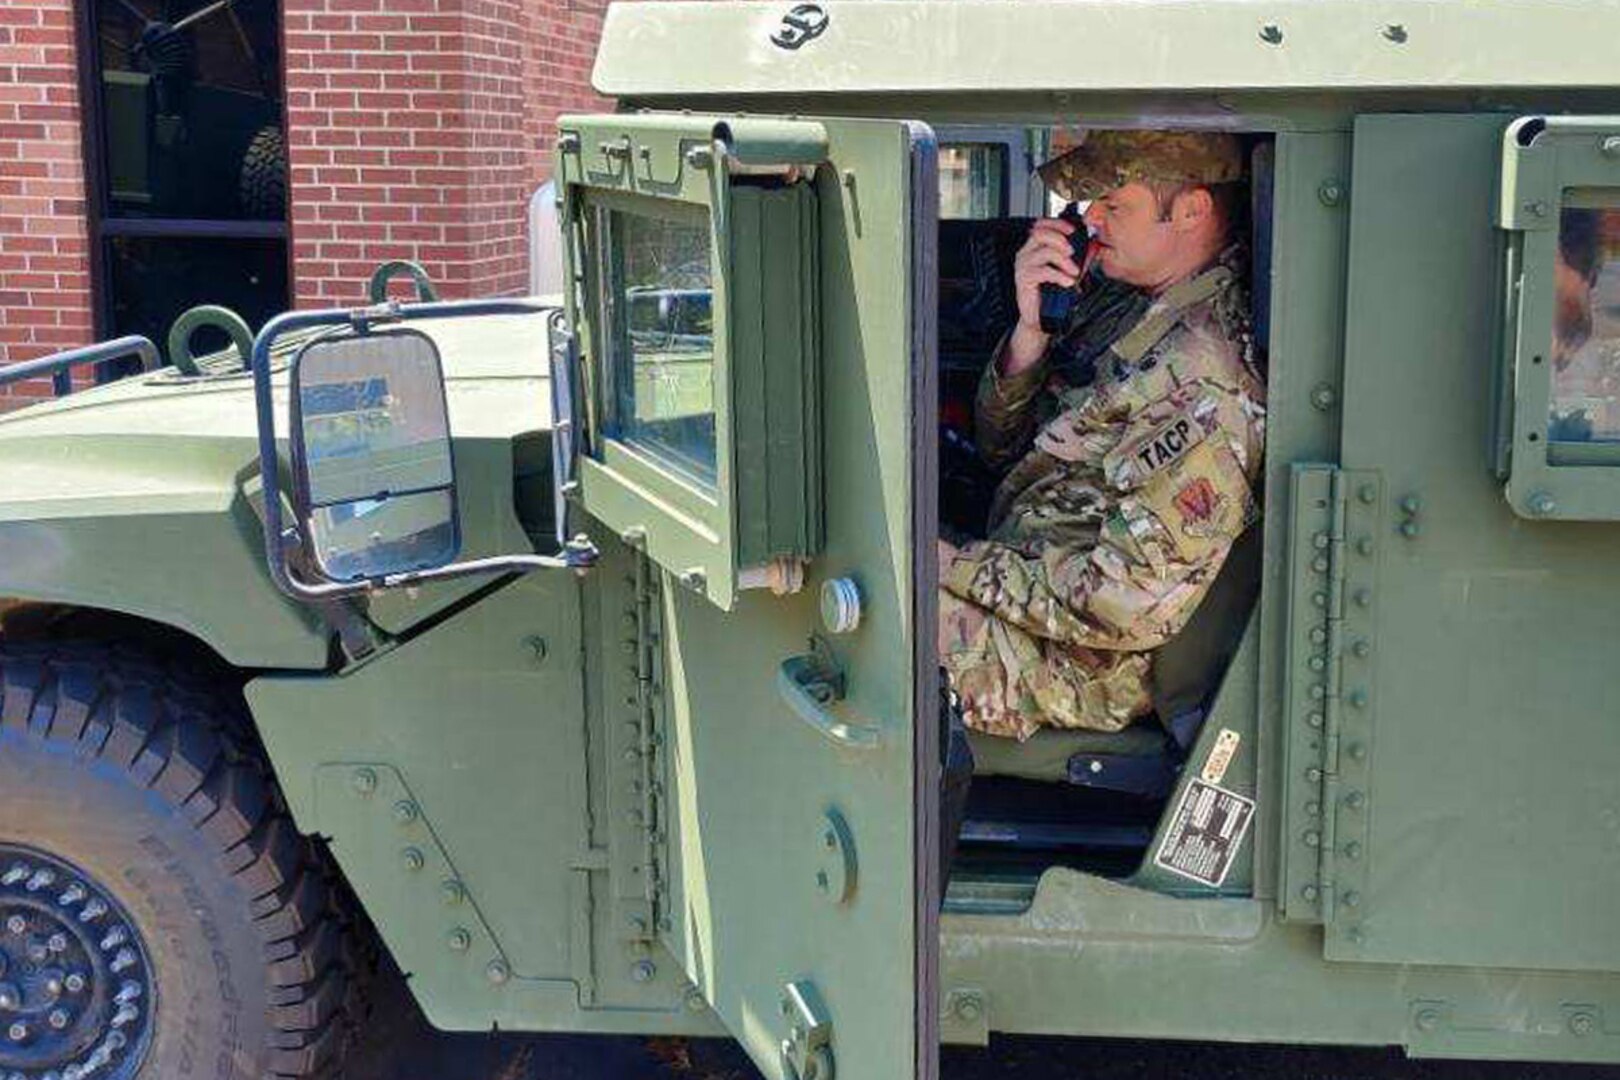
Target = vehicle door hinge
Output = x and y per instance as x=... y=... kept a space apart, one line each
x=1334 y=532
x=637 y=767
x=807 y=1051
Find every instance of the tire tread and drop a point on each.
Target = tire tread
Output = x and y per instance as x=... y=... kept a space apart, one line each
x=188 y=739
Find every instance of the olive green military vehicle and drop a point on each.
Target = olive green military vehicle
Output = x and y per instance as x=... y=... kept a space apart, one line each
x=580 y=650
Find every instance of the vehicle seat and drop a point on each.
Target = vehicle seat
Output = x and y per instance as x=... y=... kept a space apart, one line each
x=1145 y=758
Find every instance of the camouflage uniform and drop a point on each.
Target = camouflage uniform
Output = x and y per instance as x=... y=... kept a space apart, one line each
x=1105 y=536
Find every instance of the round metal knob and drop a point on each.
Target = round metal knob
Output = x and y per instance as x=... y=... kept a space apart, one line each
x=840 y=605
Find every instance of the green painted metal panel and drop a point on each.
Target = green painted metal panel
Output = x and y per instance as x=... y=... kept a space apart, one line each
x=1097 y=958
x=984 y=46
x=1492 y=796
x=773 y=312
x=482 y=726
x=1235 y=711
x=148 y=525
x=750 y=784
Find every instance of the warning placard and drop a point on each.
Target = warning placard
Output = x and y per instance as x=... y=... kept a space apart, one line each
x=1205 y=833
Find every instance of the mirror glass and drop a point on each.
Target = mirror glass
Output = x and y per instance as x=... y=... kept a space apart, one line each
x=369 y=538
x=373 y=453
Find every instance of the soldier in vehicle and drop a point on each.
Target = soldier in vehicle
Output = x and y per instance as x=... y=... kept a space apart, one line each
x=1125 y=495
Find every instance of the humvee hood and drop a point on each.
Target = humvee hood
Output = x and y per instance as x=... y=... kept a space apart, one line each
x=495 y=368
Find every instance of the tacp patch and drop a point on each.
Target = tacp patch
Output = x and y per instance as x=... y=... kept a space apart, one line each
x=1131 y=463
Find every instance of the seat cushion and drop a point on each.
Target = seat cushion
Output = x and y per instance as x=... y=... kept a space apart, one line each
x=1045 y=755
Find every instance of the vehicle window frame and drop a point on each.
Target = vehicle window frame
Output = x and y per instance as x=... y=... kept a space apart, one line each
x=700 y=507
x=109 y=225
x=1548 y=164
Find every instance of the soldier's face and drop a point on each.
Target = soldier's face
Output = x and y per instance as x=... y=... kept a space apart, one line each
x=1135 y=243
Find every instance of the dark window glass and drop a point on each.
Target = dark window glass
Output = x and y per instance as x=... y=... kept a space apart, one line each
x=154 y=279
x=191 y=109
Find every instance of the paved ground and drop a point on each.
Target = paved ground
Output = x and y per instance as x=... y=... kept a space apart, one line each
x=414 y=1052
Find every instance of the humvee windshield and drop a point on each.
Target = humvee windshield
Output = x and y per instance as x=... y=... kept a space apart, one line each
x=1088 y=800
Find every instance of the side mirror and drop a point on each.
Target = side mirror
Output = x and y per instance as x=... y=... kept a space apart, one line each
x=374 y=484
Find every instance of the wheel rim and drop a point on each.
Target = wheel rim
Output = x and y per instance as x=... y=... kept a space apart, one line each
x=75 y=983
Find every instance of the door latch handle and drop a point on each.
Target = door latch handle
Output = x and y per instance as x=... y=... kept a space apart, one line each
x=810 y=688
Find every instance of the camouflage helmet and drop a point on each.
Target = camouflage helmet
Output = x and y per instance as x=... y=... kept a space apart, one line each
x=1109 y=159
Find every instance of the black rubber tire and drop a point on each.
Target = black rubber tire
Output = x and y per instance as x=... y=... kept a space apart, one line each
x=262 y=185
x=148 y=777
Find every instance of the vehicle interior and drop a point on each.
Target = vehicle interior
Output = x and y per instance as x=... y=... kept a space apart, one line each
x=1087 y=800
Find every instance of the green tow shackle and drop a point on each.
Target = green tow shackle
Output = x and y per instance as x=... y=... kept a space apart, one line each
x=392 y=269
x=220 y=318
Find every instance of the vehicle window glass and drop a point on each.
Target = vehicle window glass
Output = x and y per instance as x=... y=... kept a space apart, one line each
x=191 y=104
x=972 y=181
x=1586 y=328
x=660 y=328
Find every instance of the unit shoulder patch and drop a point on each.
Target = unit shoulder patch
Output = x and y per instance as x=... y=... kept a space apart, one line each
x=1131 y=463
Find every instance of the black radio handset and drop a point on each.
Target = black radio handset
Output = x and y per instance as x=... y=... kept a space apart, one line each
x=1057 y=302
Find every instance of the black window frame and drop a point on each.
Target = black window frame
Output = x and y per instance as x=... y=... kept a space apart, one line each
x=101 y=225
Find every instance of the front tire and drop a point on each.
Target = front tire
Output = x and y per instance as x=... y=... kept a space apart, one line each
x=160 y=915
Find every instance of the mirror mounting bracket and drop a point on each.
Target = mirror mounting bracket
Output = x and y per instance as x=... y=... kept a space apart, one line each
x=577 y=553
x=363 y=319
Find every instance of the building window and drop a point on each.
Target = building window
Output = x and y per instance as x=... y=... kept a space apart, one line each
x=188 y=169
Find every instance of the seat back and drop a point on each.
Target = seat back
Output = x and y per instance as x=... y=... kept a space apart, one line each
x=1188 y=668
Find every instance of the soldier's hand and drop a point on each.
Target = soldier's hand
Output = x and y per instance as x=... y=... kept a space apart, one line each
x=1045 y=259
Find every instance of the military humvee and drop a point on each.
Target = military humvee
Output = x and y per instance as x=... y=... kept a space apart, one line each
x=592 y=636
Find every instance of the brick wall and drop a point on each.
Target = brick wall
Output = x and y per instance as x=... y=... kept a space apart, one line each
x=418 y=129
x=44 y=248
x=562 y=42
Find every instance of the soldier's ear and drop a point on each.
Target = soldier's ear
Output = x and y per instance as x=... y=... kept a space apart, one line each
x=1192 y=208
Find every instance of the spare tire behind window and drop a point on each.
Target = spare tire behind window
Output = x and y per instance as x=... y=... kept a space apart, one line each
x=263 y=183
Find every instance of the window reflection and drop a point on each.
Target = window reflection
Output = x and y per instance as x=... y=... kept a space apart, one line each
x=972 y=179
x=660 y=311
x=1586 y=328
x=191 y=101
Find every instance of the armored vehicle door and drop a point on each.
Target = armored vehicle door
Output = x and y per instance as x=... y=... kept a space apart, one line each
x=1452 y=770
x=753 y=311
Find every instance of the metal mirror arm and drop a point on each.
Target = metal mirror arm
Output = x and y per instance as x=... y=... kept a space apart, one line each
x=279 y=538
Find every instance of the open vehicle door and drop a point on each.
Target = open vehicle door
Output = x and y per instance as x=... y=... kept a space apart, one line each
x=752 y=301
